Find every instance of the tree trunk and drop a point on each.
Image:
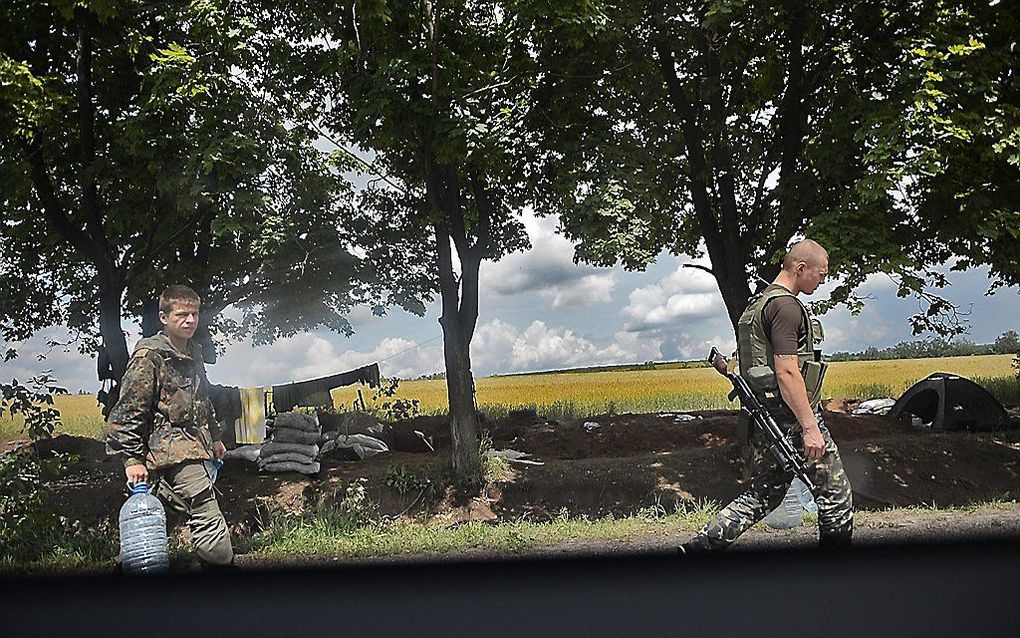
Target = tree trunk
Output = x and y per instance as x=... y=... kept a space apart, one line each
x=111 y=290
x=460 y=312
x=730 y=274
x=460 y=390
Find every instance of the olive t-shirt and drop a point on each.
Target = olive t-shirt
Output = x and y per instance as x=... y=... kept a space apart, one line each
x=784 y=324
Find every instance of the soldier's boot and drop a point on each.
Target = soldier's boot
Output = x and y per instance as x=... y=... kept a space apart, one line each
x=836 y=538
x=697 y=545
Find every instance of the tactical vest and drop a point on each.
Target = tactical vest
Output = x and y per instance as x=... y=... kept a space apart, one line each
x=754 y=352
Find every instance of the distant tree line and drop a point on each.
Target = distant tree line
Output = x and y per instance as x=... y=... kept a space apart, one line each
x=1007 y=343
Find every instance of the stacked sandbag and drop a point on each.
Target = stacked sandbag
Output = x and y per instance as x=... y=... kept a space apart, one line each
x=293 y=444
x=248 y=453
x=352 y=447
x=403 y=439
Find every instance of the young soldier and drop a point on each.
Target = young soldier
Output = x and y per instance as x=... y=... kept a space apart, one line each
x=776 y=339
x=163 y=426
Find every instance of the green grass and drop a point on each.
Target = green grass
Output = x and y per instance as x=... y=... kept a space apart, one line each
x=326 y=533
x=337 y=533
x=1005 y=389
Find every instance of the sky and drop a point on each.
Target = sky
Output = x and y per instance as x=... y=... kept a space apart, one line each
x=540 y=311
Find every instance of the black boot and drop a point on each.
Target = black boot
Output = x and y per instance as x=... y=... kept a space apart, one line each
x=695 y=546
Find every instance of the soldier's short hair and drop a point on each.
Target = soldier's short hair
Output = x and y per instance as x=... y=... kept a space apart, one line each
x=808 y=250
x=178 y=293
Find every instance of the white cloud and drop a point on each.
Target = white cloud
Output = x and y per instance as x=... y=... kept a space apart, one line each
x=693 y=348
x=71 y=370
x=686 y=294
x=588 y=290
x=501 y=347
x=878 y=282
x=497 y=347
x=307 y=356
x=548 y=269
x=835 y=337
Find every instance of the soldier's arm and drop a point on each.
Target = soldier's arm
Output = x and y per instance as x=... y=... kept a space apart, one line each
x=791 y=386
x=130 y=421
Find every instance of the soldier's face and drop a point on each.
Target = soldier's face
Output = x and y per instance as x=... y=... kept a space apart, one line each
x=811 y=276
x=181 y=321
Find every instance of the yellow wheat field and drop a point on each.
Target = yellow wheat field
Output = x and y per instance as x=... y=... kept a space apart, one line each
x=581 y=394
x=567 y=395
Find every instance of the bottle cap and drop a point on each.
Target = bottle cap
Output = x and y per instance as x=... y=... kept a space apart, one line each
x=140 y=488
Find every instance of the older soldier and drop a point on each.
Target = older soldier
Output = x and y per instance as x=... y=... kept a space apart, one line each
x=776 y=339
x=163 y=426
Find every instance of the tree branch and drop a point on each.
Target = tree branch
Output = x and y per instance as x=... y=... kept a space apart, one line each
x=55 y=213
x=791 y=127
x=483 y=204
x=700 y=267
x=693 y=141
x=87 y=140
x=148 y=255
x=447 y=278
x=450 y=183
x=371 y=166
x=723 y=168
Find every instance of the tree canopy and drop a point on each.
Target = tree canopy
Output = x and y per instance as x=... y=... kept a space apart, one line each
x=143 y=146
x=432 y=97
x=729 y=127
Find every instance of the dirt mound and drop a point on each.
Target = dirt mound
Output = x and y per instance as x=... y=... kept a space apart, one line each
x=945 y=469
x=614 y=436
x=88 y=450
x=625 y=435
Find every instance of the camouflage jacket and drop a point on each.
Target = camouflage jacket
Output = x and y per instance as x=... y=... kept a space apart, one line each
x=164 y=415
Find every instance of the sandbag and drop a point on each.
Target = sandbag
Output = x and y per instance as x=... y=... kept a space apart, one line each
x=409 y=441
x=297 y=421
x=289 y=435
x=245 y=452
x=273 y=447
x=361 y=446
x=291 y=466
x=361 y=423
x=279 y=457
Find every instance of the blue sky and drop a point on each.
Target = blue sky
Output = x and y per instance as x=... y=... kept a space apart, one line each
x=538 y=311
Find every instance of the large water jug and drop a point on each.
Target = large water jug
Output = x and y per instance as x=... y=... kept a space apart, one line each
x=790 y=513
x=212 y=468
x=143 y=547
x=807 y=501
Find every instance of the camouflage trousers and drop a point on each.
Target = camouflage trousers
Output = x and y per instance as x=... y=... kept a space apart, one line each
x=187 y=490
x=769 y=484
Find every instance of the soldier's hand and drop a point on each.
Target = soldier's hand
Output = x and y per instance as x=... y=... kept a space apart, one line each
x=814 y=444
x=219 y=450
x=136 y=473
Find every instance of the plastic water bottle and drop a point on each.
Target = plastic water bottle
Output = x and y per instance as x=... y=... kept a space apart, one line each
x=212 y=468
x=789 y=513
x=143 y=547
x=807 y=501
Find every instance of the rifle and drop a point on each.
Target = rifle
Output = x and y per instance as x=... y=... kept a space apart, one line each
x=790 y=458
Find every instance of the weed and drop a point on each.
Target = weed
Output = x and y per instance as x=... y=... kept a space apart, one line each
x=653 y=512
x=495 y=469
x=399 y=478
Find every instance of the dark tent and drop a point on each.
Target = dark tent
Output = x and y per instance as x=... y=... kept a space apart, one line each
x=951 y=402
